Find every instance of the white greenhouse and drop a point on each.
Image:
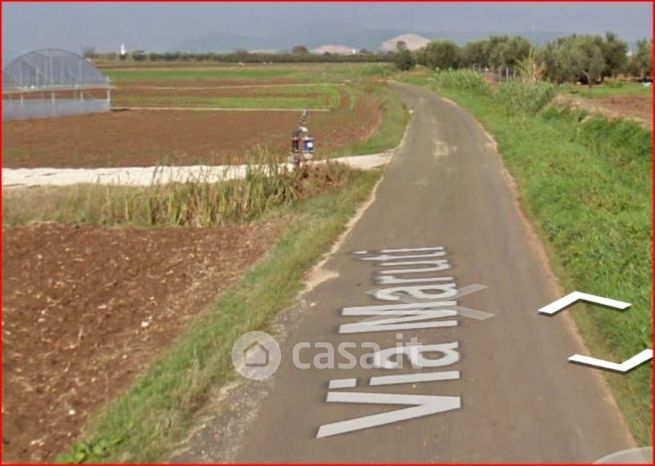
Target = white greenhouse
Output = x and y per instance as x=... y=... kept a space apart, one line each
x=50 y=82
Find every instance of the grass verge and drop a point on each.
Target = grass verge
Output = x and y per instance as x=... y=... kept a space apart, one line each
x=190 y=73
x=323 y=97
x=586 y=186
x=392 y=128
x=609 y=89
x=194 y=202
x=144 y=423
x=199 y=71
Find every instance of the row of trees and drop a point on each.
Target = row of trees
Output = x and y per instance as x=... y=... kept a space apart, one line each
x=592 y=58
x=299 y=54
x=586 y=58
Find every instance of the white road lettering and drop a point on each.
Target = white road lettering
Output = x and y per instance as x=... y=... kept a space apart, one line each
x=384 y=358
x=413 y=378
x=421 y=302
x=421 y=406
x=387 y=257
x=447 y=290
x=391 y=280
x=437 y=248
x=439 y=266
x=414 y=313
x=342 y=383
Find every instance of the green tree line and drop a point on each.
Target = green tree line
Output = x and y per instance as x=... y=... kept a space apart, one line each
x=299 y=54
x=585 y=58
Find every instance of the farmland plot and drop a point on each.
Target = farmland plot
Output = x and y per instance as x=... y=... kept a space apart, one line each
x=254 y=108
x=86 y=308
x=92 y=299
x=613 y=99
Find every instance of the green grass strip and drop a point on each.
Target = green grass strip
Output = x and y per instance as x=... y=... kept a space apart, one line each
x=609 y=89
x=325 y=100
x=392 y=128
x=193 y=74
x=146 y=422
x=309 y=72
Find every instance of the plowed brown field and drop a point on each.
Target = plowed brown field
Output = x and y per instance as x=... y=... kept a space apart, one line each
x=86 y=308
x=637 y=107
x=147 y=138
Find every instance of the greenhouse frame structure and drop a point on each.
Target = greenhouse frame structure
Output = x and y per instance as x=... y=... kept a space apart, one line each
x=52 y=82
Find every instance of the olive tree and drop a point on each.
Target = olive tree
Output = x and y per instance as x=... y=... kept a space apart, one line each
x=615 y=54
x=641 y=62
x=476 y=53
x=507 y=52
x=442 y=54
x=404 y=60
x=573 y=58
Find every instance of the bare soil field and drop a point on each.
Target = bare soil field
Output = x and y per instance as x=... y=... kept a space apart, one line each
x=637 y=107
x=85 y=309
x=147 y=138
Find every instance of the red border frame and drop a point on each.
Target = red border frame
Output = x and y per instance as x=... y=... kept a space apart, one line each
x=363 y=1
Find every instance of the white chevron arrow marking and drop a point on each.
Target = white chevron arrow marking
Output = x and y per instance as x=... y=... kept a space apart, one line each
x=626 y=366
x=571 y=298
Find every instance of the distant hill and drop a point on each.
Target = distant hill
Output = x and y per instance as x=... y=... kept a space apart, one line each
x=310 y=35
x=315 y=35
x=412 y=41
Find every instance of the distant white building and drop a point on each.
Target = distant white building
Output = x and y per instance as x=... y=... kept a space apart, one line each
x=412 y=41
x=335 y=50
x=123 y=50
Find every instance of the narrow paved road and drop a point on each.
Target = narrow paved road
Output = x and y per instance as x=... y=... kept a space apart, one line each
x=509 y=394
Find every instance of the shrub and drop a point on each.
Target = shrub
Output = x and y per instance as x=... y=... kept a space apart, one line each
x=525 y=96
x=404 y=60
x=197 y=202
x=465 y=80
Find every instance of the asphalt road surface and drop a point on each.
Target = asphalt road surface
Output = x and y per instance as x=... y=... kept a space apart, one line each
x=500 y=388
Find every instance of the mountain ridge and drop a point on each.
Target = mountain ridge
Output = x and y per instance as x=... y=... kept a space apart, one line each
x=315 y=35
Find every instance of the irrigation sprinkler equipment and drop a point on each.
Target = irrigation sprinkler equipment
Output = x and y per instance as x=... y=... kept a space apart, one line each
x=302 y=144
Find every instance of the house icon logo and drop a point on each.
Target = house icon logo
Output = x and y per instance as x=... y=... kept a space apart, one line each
x=256 y=355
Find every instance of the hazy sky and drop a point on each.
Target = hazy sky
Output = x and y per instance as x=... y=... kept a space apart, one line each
x=161 y=26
